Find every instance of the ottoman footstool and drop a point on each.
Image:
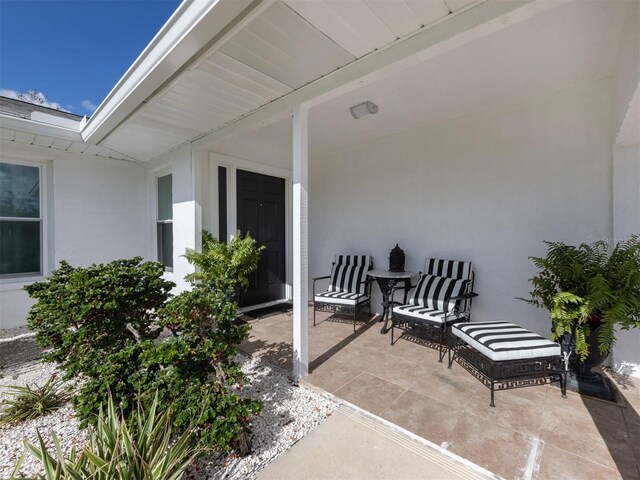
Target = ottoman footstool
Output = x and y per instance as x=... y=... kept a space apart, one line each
x=503 y=355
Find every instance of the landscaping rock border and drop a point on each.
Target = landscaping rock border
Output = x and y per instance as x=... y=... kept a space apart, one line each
x=290 y=412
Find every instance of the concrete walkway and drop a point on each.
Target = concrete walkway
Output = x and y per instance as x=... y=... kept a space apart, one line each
x=352 y=445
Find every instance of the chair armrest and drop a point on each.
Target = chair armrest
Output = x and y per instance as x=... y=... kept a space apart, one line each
x=400 y=287
x=464 y=296
x=315 y=280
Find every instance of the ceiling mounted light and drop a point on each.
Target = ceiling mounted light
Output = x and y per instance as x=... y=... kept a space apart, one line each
x=362 y=109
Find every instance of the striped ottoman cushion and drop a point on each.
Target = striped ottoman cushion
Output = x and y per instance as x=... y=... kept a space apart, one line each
x=505 y=341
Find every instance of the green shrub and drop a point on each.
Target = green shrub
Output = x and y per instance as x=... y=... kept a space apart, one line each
x=103 y=323
x=83 y=315
x=224 y=267
x=93 y=321
x=33 y=401
x=203 y=374
x=140 y=446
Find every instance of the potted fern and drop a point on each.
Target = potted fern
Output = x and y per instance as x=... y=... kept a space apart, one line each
x=590 y=291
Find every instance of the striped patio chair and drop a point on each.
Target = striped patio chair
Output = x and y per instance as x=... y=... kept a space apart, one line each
x=349 y=290
x=442 y=297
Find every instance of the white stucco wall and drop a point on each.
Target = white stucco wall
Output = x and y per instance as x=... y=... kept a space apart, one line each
x=95 y=211
x=626 y=165
x=626 y=221
x=487 y=188
x=99 y=210
x=627 y=74
x=190 y=184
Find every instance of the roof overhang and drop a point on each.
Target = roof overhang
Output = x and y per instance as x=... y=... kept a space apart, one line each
x=190 y=31
x=206 y=75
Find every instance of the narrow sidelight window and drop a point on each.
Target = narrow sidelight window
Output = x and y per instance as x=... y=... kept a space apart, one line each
x=222 y=204
x=164 y=222
x=20 y=221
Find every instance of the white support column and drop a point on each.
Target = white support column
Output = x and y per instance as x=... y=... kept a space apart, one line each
x=300 y=243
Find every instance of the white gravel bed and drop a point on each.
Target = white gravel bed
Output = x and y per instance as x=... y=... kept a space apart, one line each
x=289 y=413
x=62 y=422
x=13 y=332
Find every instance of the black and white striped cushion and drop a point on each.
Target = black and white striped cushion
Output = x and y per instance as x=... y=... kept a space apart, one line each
x=448 y=268
x=505 y=341
x=419 y=312
x=347 y=278
x=432 y=292
x=362 y=260
x=340 y=298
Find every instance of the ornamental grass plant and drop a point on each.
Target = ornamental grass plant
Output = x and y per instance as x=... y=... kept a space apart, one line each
x=137 y=446
x=32 y=401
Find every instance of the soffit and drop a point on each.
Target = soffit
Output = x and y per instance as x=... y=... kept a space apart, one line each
x=57 y=143
x=288 y=45
x=572 y=44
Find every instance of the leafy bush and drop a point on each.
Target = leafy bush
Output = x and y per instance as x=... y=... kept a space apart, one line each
x=140 y=446
x=85 y=314
x=33 y=401
x=103 y=323
x=202 y=367
x=224 y=267
x=92 y=322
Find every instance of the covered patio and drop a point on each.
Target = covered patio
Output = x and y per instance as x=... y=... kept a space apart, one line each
x=501 y=124
x=531 y=433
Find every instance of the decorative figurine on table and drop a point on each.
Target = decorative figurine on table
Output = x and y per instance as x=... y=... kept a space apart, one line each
x=396 y=259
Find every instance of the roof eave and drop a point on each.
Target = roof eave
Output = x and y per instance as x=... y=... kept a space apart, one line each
x=190 y=29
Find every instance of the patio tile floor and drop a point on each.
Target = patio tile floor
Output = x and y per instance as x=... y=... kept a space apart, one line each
x=532 y=433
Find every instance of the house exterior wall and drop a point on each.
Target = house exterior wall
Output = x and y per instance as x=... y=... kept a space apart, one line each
x=94 y=212
x=187 y=210
x=488 y=188
x=626 y=165
x=627 y=69
x=626 y=221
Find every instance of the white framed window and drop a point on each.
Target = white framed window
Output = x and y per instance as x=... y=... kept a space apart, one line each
x=21 y=220
x=164 y=220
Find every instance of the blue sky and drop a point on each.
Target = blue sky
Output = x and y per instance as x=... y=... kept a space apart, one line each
x=74 y=52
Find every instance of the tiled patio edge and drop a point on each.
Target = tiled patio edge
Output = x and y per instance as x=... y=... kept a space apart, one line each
x=405 y=437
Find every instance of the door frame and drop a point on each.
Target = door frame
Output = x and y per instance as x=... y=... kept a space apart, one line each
x=232 y=164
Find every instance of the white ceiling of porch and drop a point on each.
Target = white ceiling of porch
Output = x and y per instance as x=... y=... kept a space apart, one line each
x=287 y=46
x=574 y=43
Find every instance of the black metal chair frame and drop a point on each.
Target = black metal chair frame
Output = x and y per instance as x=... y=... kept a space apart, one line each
x=507 y=374
x=341 y=309
x=435 y=331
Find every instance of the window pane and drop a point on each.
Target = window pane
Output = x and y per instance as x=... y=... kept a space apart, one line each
x=165 y=244
x=19 y=247
x=222 y=204
x=165 y=203
x=19 y=191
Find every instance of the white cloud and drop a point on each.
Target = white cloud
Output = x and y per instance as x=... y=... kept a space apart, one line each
x=32 y=96
x=88 y=105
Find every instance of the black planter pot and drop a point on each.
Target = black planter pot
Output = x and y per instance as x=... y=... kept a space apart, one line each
x=594 y=359
x=582 y=378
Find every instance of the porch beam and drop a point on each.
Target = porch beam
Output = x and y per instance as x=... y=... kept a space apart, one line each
x=300 y=243
x=463 y=28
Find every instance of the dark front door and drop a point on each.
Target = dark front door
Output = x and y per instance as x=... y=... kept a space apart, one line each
x=261 y=213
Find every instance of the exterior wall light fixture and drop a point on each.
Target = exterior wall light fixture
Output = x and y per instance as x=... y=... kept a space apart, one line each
x=362 y=109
